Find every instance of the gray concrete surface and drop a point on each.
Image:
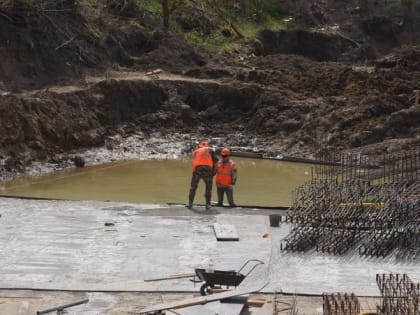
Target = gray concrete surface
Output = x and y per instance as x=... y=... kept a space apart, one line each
x=104 y=246
x=29 y=302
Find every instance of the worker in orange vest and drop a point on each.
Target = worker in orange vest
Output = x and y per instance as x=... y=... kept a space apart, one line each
x=226 y=175
x=204 y=167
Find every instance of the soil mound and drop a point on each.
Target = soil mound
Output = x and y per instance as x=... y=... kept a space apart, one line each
x=314 y=45
x=71 y=80
x=52 y=42
x=44 y=45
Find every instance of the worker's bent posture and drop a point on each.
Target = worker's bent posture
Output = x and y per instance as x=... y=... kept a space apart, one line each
x=226 y=175
x=203 y=166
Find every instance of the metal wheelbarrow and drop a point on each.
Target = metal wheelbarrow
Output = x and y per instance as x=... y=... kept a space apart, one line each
x=217 y=278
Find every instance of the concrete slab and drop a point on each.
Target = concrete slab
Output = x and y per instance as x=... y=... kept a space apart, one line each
x=67 y=245
x=212 y=308
x=24 y=302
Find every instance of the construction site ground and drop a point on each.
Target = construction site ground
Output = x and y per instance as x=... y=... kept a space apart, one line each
x=58 y=252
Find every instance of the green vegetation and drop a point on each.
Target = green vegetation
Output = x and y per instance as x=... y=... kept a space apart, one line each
x=290 y=24
x=152 y=6
x=275 y=12
x=406 y=3
x=215 y=41
x=228 y=21
x=213 y=24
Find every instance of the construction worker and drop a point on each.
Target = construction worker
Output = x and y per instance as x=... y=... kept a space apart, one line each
x=226 y=175
x=203 y=166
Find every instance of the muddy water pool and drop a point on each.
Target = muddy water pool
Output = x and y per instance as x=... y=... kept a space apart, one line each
x=260 y=182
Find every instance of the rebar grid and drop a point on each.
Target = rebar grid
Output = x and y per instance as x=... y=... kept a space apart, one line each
x=399 y=295
x=372 y=205
x=340 y=304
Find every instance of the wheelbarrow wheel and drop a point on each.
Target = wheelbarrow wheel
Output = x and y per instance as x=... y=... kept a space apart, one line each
x=206 y=289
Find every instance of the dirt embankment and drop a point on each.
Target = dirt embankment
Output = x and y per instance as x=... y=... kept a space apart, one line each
x=347 y=83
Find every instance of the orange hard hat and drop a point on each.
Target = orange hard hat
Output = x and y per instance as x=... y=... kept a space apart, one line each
x=225 y=151
x=203 y=144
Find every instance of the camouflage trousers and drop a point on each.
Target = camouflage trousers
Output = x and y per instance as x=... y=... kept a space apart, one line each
x=206 y=174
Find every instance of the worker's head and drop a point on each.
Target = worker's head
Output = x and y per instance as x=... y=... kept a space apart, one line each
x=225 y=152
x=203 y=144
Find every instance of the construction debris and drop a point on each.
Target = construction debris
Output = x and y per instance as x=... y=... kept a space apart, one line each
x=154 y=74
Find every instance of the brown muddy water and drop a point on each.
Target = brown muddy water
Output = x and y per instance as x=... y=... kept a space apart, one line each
x=260 y=182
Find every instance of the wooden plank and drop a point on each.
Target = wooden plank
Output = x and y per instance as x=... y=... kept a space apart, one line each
x=230 y=306
x=204 y=299
x=171 y=277
x=256 y=302
x=225 y=232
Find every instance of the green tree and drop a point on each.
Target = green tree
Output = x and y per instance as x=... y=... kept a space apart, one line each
x=165 y=14
x=168 y=6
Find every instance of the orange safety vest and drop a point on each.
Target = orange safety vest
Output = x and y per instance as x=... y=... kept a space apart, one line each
x=202 y=156
x=224 y=173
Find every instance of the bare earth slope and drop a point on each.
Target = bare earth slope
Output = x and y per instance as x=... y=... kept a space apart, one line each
x=68 y=80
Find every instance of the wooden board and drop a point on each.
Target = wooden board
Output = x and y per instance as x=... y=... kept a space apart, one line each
x=230 y=306
x=256 y=302
x=225 y=232
x=201 y=300
x=172 y=277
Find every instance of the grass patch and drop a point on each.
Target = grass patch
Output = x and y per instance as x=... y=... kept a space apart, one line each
x=216 y=41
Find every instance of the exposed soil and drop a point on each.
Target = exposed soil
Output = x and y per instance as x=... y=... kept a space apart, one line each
x=72 y=82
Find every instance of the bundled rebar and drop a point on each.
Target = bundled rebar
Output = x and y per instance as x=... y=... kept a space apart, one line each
x=357 y=202
x=399 y=295
x=340 y=304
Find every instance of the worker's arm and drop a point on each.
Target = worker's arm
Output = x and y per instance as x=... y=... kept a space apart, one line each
x=215 y=160
x=234 y=174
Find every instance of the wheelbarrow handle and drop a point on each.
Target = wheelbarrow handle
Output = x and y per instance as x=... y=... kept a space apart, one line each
x=259 y=262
